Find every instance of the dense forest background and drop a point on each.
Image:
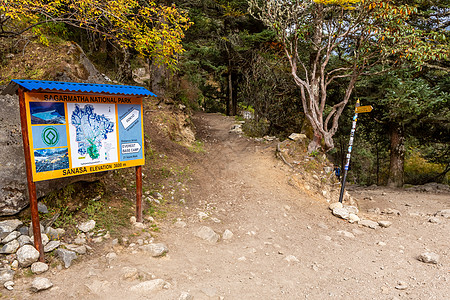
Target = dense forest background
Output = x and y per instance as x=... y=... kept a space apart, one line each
x=232 y=61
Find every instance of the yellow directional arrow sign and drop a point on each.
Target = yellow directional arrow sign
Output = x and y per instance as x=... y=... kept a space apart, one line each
x=363 y=109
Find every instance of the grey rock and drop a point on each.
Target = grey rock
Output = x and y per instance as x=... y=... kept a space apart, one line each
x=10 y=247
x=391 y=211
x=385 y=224
x=30 y=229
x=155 y=250
x=352 y=218
x=86 y=226
x=13 y=178
x=335 y=205
x=444 y=213
x=23 y=230
x=291 y=258
x=207 y=234
x=26 y=255
x=429 y=258
x=80 y=240
x=40 y=284
x=15 y=264
x=8 y=226
x=297 y=136
x=185 y=296
x=77 y=248
x=434 y=220
x=24 y=240
x=352 y=209
x=9 y=285
x=110 y=257
x=180 y=224
x=98 y=239
x=341 y=213
x=227 y=234
x=12 y=236
x=129 y=273
x=54 y=234
x=346 y=234
x=148 y=286
x=6 y=275
x=66 y=256
x=52 y=245
x=42 y=208
x=401 y=286
x=39 y=267
x=369 y=223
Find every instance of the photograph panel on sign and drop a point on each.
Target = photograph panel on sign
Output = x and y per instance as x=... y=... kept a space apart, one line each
x=47 y=113
x=51 y=159
x=92 y=134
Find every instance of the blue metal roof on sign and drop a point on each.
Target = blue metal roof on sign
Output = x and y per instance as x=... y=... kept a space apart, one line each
x=73 y=87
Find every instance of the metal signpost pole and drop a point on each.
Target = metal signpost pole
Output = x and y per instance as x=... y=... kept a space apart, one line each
x=31 y=185
x=139 y=193
x=358 y=109
x=350 y=146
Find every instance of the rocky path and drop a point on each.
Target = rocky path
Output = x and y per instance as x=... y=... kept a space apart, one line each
x=245 y=233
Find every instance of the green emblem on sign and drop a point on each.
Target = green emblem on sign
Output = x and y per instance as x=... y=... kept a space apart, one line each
x=50 y=136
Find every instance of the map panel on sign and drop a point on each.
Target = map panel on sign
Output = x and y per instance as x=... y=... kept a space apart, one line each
x=130 y=131
x=92 y=131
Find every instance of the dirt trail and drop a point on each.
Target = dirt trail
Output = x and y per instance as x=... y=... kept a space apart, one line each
x=285 y=244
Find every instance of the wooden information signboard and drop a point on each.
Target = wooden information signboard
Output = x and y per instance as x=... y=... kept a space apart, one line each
x=79 y=128
x=79 y=134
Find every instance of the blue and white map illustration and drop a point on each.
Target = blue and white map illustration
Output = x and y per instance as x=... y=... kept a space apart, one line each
x=94 y=135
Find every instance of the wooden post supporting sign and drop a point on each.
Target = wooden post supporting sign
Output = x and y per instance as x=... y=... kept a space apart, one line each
x=31 y=185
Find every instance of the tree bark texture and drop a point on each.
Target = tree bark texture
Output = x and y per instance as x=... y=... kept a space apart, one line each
x=397 y=158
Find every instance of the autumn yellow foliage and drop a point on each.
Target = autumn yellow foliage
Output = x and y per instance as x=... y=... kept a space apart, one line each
x=153 y=30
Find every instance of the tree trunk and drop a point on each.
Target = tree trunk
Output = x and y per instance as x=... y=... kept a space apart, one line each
x=125 y=72
x=397 y=156
x=157 y=79
x=229 y=94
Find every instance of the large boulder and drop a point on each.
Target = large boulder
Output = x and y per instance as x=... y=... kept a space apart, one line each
x=76 y=67
x=13 y=178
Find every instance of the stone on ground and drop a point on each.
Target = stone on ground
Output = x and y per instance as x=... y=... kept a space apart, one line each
x=9 y=285
x=369 y=223
x=297 y=136
x=8 y=226
x=129 y=273
x=291 y=258
x=148 y=286
x=341 y=213
x=385 y=224
x=444 y=213
x=26 y=255
x=185 y=296
x=66 y=256
x=352 y=209
x=352 y=218
x=10 y=248
x=39 y=267
x=52 y=245
x=207 y=234
x=155 y=250
x=24 y=240
x=86 y=226
x=429 y=258
x=12 y=236
x=6 y=275
x=40 y=284
x=227 y=234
